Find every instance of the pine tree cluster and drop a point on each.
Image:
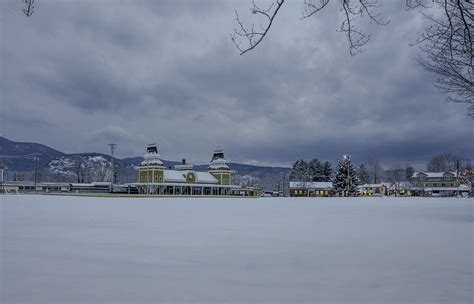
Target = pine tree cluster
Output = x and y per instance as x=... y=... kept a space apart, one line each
x=312 y=171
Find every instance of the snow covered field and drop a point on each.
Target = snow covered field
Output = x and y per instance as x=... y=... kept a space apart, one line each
x=274 y=250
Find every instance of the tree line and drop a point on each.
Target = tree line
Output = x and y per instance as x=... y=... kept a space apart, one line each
x=346 y=176
x=311 y=171
x=316 y=170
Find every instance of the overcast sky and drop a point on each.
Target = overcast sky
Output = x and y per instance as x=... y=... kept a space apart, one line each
x=80 y=74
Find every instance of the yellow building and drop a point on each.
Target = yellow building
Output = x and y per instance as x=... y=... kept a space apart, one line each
x=154 y=178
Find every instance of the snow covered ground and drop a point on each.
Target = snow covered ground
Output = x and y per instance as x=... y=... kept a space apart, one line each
x=274 y=250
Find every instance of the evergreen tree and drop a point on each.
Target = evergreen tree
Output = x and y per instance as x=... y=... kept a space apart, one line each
x=315 y=170
x=327 y=171
x=345 y=180
x=300 y=171
x=293 y=172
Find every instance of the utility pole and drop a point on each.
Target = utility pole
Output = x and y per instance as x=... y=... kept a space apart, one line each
x=2 y=190
x=282 y=184
x=457 y=177
x=112 y=150
x=36 y=158
x=348 y=181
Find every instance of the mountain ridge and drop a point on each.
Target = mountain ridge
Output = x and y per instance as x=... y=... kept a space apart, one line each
x=55 y=165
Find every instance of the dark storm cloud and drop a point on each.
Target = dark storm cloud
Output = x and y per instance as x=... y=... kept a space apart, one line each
x=85 y=85
x=166 y=71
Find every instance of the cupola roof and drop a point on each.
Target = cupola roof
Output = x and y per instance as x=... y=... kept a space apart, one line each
x=152 y=157
x=218 y=161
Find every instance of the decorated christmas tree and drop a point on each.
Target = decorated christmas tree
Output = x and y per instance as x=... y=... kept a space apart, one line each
x=345 y=180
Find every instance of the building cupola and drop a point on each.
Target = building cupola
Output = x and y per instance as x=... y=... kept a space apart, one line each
x=219 y=169
x=152 y=157
x=218 y=162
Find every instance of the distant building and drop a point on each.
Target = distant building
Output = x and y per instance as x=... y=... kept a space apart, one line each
x=402 y=189
x=29 y=186
x=153 y=178
x=303 y=189
x=439 y=184
x=371 y=189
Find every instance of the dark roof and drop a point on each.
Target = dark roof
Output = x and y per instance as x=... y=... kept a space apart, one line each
x=152 y=149
x=218 y=155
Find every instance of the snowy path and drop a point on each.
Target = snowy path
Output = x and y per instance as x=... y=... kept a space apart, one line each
x=360 y=250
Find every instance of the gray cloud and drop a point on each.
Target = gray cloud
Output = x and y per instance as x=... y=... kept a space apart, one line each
x=85 y=73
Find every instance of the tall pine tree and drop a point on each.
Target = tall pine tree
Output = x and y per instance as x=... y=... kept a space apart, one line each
x=315 y=170
x=300 y=171
x=345 y=180
x=327 y=171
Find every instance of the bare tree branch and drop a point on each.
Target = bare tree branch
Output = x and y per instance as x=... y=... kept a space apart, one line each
x=252 y=36
x=446 y=43
x=311 y=7
x=29 y=7
x=352 y=11
x=447 y=50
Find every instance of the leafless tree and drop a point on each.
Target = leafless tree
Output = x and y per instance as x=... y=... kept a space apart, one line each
x=102 y=174
x=28 y=7
x=396 y=173
x=447 y=41
x=246 y=38
x=78 y=167
x=375 y=170
x=447 y=49
x=448 y=162
x=252 y=35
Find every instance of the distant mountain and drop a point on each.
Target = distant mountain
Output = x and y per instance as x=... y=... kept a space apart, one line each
x=54 y=165
x=21 y=154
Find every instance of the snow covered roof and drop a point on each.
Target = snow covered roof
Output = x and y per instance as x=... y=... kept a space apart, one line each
x=402 y=186
x=183 y=167
x=152 y=157
x=433 y=174
x=82 y=185
x=174 y=176
x=460 y=188
x=218 y=161
x=179 y=176
x=218 y=167
x=206 y=177
x=45 y=184
x=311 y=185
x=100 y=183
x=375 y=185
